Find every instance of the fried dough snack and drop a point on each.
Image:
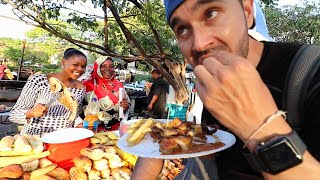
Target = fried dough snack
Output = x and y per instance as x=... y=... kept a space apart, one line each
x=65 y=96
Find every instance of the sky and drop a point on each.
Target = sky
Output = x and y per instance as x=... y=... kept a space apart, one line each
x=17 y=29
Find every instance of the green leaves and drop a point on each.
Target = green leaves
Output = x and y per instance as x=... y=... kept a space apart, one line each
x=295 y=23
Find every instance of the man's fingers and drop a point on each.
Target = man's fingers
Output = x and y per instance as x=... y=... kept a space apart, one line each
x=203 y=75
x=224 y=57
x=212 y=65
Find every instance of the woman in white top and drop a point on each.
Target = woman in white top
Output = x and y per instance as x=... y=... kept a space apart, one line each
x=31 y=108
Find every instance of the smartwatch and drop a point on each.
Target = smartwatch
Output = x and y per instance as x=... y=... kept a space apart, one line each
x=277 y=154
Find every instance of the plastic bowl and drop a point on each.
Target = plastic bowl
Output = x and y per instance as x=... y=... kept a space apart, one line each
x=65 y=145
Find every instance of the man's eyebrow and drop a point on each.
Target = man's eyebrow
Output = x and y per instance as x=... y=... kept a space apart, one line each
x=197 y=5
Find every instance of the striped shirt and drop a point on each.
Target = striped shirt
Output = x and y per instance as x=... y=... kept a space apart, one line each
x=37 y=91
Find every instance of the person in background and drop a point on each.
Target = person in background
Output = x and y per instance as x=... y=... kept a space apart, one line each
x=3 y=67
x=105 y=88
x=31 y=108
x=157 y=96
x=234 y=72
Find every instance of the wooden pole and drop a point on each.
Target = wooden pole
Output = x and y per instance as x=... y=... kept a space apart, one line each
x=21 y=60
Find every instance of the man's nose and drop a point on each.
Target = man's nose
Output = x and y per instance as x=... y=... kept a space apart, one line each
x=201 y=41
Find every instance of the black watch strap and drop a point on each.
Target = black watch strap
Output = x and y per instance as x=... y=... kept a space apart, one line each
x=256 y=162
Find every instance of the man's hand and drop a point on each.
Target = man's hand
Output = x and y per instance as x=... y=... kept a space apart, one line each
x=125 y=104
x=37 y=111
x=232 y=90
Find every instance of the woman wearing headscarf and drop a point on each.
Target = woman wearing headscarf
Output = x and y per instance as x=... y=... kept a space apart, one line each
x=103 y=87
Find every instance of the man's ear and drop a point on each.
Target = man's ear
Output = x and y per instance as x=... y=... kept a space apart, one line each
x=248 y=10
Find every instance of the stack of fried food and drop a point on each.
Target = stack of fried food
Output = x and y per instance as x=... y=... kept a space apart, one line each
x=171 y=169
x=22 y=156
x=103 y=160
x=178 y=137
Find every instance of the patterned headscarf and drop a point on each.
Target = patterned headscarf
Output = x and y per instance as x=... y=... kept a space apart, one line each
x=99 y=85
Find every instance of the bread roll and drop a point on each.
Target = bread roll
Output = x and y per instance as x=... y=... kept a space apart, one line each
x=21 y=144
x=94 y=175
x=59 y=174
x=6 y=143
x=115 y=162
x=92 y=153
x=76 y=174
x=30 y=166
x=11 y=171
x=105 y=173
x=35 y=142
x=100 y=164
x=83 y=163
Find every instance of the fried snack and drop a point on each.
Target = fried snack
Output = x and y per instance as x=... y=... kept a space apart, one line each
x=94 y=174
x=174 y=123
x=6 y=143
x=21 y=144
x=36 y=174
x=30 y=166
x=103 y=139
x=66 y=98
x=5 y=161
x=139 y=134
x=100 y=164
x=105 y=173
x=76 y=174
x=168 y=146
x=83 y=163
x=94 y=140
x=11 y=171
x=59 y=174
x=127 y=157
x=111 y=143
x=109 y=151
x=55 y=85
x=43 y=162
x=112 y=136
x=35 y=142
x=45 y=177
x=184 y=142
x=92 y=153
x=125 y=173
x=115 y=162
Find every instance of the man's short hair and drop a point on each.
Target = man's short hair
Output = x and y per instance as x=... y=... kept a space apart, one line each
x=155 y=71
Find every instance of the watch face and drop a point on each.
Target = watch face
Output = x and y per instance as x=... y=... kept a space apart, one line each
x=279 y=156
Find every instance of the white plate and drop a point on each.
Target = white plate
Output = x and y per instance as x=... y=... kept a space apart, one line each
x=66 y=135
x=149 y=149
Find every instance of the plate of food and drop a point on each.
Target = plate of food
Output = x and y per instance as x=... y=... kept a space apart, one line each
x=158 y=138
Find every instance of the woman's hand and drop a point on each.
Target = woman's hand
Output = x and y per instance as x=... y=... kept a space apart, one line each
x=79 y=125
x=38 y=111
x=125 y=104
